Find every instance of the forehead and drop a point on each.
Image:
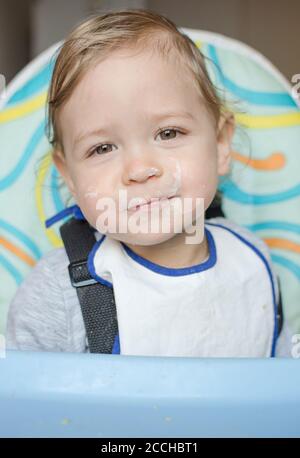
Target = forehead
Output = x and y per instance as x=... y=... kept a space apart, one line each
x=127 y=79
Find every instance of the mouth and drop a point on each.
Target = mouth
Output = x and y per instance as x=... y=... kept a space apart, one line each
x=151 y=203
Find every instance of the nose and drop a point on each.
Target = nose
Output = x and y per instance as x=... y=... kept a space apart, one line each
x=139 y=172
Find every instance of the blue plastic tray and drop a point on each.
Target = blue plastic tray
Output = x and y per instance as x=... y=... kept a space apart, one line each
x=88 y=395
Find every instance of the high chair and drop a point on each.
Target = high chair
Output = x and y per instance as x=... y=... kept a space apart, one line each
x=88 y=395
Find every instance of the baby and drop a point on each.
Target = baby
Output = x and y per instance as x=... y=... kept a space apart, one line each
x=140 y=137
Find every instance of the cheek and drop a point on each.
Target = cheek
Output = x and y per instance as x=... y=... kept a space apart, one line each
x=87 y=194
x=95 y=194
x=200 y=177
x=87 y=203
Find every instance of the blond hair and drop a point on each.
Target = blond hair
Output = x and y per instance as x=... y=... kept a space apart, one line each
x=97 y=36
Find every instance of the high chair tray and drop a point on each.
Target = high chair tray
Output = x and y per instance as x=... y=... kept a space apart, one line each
x=88 y=395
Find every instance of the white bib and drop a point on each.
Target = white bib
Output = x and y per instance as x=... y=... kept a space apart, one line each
x=223 y=307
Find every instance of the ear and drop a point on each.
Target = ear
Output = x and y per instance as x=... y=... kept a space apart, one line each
x=226 y=128
x=61 y=165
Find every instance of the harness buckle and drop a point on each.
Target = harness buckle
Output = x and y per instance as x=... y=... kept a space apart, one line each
x=79 y=274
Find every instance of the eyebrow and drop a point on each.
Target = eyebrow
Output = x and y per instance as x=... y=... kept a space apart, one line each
x=156 y=117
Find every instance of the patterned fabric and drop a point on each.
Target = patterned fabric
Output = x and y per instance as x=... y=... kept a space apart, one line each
x=262 y=192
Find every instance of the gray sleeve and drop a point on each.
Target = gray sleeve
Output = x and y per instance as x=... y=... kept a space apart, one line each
x=37 y=318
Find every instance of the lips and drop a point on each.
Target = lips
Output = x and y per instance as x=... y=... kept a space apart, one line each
x=153 y=201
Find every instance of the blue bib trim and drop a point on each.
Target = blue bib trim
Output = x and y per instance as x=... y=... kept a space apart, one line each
x=175 y=272
x=74 y=210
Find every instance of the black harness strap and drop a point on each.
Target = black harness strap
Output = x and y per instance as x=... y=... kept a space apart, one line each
x=96 y=300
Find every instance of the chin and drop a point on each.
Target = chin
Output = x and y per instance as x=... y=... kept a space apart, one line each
x=136 y=229
x=142 y=239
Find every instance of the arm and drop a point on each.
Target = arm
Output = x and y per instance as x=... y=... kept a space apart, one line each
x=37 y=317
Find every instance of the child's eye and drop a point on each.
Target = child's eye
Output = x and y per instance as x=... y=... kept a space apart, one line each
x=169 y=133
x=163 y=131
x=102 y=151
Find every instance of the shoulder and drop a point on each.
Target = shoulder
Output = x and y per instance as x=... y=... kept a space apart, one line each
x=54 y=259
x=254 y=242
x=241 y=232
x=49 y=274
x=46 y=272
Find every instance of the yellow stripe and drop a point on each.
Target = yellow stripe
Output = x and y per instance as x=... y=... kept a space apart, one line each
x=198 y=43
x=23 y=109
x=41 y=176
x=267 y=122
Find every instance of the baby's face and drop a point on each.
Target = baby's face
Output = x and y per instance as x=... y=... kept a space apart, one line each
x=136 y=124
